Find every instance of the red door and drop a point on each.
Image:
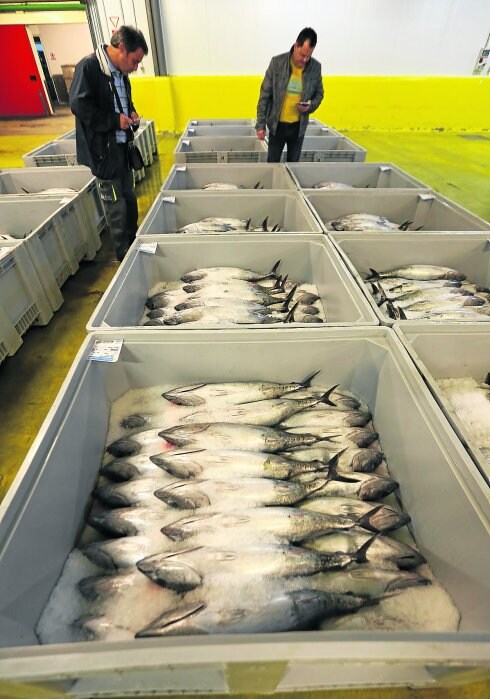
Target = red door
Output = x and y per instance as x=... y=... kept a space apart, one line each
x=22 y=89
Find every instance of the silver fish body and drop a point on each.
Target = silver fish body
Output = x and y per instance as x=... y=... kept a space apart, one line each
x=351 y=458
x=329 y=419
x=351 y=484
x=129 y=467
x=375 y=517
x=146 y=442
x=134 y=492
x=213 y=224
x=129 y=521
x=420 y=273
x=223 y=273
x=358 y=436
x=124 y=552
x=332 y=185
x=367 y=581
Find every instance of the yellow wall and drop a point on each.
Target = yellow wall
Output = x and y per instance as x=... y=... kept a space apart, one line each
x=351 y=102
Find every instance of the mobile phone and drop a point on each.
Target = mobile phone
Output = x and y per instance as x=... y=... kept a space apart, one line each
x=304 y=104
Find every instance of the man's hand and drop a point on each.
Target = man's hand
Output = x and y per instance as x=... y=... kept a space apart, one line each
x=261 y=134
x=303 y=106
x=125 y=121
x=135 y=118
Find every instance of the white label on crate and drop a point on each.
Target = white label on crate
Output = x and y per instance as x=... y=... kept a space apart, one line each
x=324 y=128
x=192 y=130
x=106 y=350
x=170 y=200
x=193 y=122
x=183 y=168
x=426 y=197
x=186 y=143
x=148 y=247
x=385 y=168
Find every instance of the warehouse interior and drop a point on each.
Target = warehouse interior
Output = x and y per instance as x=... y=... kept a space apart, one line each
x=429 y=118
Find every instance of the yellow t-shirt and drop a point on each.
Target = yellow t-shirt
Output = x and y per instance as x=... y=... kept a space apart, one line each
x=294 y=89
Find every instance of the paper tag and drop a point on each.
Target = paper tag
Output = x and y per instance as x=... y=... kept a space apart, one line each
x=191 y=130
x=183 y=168
x=426 y=197
x=324 y=128
x=171 y=200
x=106 y=350
x=148 y=247
x=385 y=168
x=194 y=122
x=186 y=143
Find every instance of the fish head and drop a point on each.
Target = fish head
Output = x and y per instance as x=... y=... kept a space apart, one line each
x=191 y=277
x=170 y=572
x=182 y=496
x=382 y=519
x=179 y=464
x=181 y=435
x=135 y=421
x=111 y=523
x=366 y=460
x=180 y=621
x=99 y=555
x=375 y=487
x=186 y=527
x=119 y=470
x=407 y=557
x=123 y=447
x=402 y=580
x=97 y=587
x=186 y=395
x=157 y=301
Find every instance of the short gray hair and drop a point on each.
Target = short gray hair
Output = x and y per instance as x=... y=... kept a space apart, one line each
x=131 y=38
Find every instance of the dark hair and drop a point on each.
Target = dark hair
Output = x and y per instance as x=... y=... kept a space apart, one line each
x=132 y=39
x=307 y=34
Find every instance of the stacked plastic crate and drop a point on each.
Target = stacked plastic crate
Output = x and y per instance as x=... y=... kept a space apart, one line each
x=440 y=484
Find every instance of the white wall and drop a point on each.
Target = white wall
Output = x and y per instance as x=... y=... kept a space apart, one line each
x=355 y=37
x=64 y=44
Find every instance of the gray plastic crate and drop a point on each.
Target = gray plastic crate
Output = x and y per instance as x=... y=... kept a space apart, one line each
x=213 y=131
x=219 y=122
x=10 y=340
x=248 y=175
x=172 y=210
x=426 y=210
x=143 y=143
x=42 y=514
x=310 y=259
x=467 y=252
x=319 y=149
x=67 y=135
x=321 y=130
x=451 y=351
x=28 y=181
x=362 y=175
x=220 y=149
x=21 y=293
x=61 y=152
x=151 y=133
x=69 y=218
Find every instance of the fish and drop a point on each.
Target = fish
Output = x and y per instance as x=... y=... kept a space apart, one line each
x=206 y=463
x=294 y=610
x=219 y=314
x=234 y=393
x=332 y=185
x=376 y=517
x=213 y=224
x=133 y=492
x=123 y=552
x=129 y=521
x=419 y=273
x=135 y=421
x=367 y=581
x=384 y=551
x=362 y=222
x=267 y=412
x=229 y=273
x=218 y=186
x=146 y=442
x=185 y=570
x=129 y=467
x=226 y=494
x=328 y=419
x=106 y=587
x=351 y=484
x=222 y=435
x=282 y=523
x=98 y=627
x=358 y=436
x=350 y=459
x=342 y=398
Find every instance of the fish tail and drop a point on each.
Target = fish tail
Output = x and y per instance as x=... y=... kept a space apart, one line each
x=326 y=396
x=360 y=555
x=306 y=383
x=290 y=316
x=373 y=275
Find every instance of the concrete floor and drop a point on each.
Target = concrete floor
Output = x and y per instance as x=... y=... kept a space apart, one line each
x=454 y=164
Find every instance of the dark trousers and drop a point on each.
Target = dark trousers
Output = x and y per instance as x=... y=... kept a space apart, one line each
x=120 y=204
x=286 y=134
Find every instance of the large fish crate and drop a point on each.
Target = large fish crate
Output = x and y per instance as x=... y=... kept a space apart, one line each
x=29 y=181
x=67 y=135
x=22 y=296
x=320 y=149
x=151 y=133
x=219 y=122
x=172 y=210
x=49 y=239
x=144 y=136
x=450 y=351
x=10 y=340
x=424 y=210
x=42 y=515
x=213 y=131
x=361 y=175
x=220 y=149
x=321 y=130
x=310 y=259
x=467 y=252
x=246 y=176
x=61 y=152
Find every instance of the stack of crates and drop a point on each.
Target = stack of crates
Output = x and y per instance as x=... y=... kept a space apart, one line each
x=355 y=348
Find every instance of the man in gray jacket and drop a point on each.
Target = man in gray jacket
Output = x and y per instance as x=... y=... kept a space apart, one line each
x=291 y=90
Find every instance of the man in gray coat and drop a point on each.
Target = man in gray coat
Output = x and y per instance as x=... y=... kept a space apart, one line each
x=291 y=90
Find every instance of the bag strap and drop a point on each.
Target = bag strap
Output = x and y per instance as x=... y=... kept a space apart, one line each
x=130 y=134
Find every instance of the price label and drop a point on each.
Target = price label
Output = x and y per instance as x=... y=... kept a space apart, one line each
x=148 y=247
x=182 y=168
x=105 y=350
x=171 y=200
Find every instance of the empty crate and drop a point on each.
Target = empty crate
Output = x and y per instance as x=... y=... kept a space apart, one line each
x=219 y=122
x=42 y=515
x=451 y=351
x=310 y=259
x=425 y=211
x=220 y=149
x=468 y=253
x=212 y=131
x=326 y=148
x=61 y=152
x=170 y=211
x=361 y=175
x=246 y=176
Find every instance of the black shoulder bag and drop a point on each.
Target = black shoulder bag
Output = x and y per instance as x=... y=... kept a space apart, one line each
x=135 y=159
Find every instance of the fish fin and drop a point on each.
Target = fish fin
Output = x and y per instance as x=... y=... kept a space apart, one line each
x=404 y=226
x=360 y=555
x=264 y=223
x=373 y=275
x=247 y=226
x=364 y=521
x=306 y=383
x=401 y=314
x=290 y=316
x=419 y=228
x=283 y=282
x=289 y=297
x=274 y=269
x=177 y=616
x=26 y=191
x=326 y=396
x=277 y=284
